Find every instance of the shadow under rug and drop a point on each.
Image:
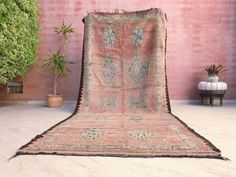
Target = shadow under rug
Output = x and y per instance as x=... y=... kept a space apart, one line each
x=123 y=107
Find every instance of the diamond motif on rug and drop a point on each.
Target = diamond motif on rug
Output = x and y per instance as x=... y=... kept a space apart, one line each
x=109 y=36
x=138 y=69
x=109 y=70
x=141 y=134
x=108 y=102
x=137 y=102
x=136 y=118
x=137 y=36
x=91 y=133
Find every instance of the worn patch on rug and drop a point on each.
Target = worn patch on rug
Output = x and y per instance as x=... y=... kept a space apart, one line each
x=123 y=106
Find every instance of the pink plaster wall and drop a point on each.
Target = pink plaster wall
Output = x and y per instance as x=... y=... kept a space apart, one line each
x=199 y=32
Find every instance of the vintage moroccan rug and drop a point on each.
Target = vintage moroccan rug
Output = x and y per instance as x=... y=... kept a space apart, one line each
x=123 y=108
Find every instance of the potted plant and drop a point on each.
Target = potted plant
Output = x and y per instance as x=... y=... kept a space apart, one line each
x=59 y=64
x=213 y=71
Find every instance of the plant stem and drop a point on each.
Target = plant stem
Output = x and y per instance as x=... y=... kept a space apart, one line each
x=55 y=84
x=64 y=45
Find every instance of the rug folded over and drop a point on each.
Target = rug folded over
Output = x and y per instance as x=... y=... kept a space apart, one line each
x=123 y=108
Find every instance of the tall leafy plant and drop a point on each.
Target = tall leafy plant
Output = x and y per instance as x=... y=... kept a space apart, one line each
x=19 y=28
x=57 y=60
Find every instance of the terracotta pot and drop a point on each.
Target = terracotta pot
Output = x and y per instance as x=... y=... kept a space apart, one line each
x=54 y=101
x=213 y=78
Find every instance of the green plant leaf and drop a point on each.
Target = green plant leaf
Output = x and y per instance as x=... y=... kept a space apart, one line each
x=64 y=30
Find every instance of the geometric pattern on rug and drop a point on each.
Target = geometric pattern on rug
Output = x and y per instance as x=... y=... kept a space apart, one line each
x=119 y=135
x=123 y=107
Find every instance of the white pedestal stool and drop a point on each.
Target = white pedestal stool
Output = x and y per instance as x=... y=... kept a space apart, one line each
x=212 y=90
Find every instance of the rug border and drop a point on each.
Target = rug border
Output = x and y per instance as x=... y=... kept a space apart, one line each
x=206 y=141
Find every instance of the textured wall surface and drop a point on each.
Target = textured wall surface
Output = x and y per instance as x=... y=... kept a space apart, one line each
x=199 y=32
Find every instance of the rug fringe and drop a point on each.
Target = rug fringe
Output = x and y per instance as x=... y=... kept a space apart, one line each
x=122 y=11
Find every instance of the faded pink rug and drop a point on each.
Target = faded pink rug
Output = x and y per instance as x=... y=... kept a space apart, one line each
x=123 y=108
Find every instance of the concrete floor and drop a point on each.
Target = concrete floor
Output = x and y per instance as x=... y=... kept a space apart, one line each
x=20 y=123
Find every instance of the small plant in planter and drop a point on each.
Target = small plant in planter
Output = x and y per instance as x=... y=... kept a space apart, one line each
x=213 y=71
x=59 y=63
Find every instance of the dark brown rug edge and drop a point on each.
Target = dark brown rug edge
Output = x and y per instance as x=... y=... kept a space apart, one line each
x=122 y=155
